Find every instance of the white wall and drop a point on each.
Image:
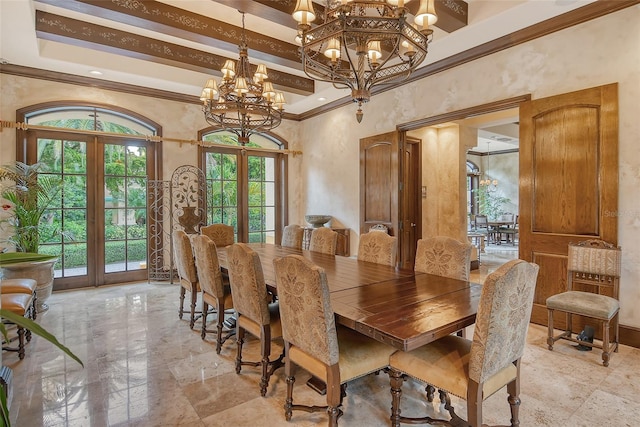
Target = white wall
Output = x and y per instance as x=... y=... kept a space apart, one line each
x=598 y=52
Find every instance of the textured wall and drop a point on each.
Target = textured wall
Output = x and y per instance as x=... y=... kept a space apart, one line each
x=595 y=53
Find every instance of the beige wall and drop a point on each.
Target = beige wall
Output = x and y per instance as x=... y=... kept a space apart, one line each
x=598 y=52
x=325 y=179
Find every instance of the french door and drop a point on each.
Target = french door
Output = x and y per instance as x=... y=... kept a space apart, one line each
x=244 y=189
x=98 y=226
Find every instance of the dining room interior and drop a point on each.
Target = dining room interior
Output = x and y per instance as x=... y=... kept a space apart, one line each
x=269 y=213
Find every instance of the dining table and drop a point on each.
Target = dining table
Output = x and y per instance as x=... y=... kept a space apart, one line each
x=400 y=307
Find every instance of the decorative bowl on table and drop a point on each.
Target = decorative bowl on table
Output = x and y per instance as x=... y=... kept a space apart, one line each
x=317 y=221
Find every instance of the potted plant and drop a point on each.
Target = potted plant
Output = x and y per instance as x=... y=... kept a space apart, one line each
x=27 y=196
x=490 y=202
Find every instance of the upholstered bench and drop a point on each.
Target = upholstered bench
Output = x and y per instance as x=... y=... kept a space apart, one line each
x=20 y=286
x=22 y=305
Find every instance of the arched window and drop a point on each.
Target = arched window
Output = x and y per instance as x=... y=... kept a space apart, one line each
x=103 y=158
x=245 y=187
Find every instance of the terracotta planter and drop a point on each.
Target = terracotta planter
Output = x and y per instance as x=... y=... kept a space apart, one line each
x=40 y=271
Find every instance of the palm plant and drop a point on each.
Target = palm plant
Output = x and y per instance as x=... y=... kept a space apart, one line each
x=29 y=196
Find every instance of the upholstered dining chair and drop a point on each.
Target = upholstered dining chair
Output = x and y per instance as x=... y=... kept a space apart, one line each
x=592 y=265
x=444 y=256
x=255 y=315
x=187 y=274
x=215 y=292
x=21 y=304
x=292 y=236
x=378 y=247
x=312 y=341
x=222 y=234
x=475 y=370
x=323 y=240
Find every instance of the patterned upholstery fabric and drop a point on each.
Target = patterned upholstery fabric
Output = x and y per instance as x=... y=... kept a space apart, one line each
x=378 y=247
x=475 y=370
x=247 y=283
x=324 y=240
x=444 y=256
x=221 y=234
x=208 y=267
x=292 y=236
x=503 y=319
x=183 y=254
x=307 y=318
x=595 y=257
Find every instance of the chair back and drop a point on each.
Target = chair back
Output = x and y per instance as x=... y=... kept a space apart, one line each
x=221 y=234
x=595 y=263
x=292 y=236
x=323 y=240
x=444 y=256
x=379 y=227
x=248 y=287
x=208 y=267
x=307 y=318
x=503 y=318
x=378 y=247
x=183 y=257
x=481 y=221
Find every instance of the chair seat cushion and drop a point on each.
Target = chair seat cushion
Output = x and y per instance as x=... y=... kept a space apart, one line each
x=17 y=286
x=359 y=356
x=584 y=303
x=17 y=303
x=445 y=365
x=255 y=329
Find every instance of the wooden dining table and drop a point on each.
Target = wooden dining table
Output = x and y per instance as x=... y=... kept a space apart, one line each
x=403 y=308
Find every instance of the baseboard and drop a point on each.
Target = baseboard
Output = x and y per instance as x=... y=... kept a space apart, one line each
x=630 y=336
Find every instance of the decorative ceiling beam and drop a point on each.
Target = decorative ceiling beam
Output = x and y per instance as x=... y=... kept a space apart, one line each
x=170 y=20
x=79 y=33
x=277 y=11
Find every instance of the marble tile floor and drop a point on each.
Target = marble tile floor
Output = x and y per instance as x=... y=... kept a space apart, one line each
x=145 y=367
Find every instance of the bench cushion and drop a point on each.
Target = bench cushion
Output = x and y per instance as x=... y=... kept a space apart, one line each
x=17 y=303
x=17 y=286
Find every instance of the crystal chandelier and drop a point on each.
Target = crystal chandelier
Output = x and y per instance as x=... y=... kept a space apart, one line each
x=491 y=185
x=242 y=104
x=363 y=43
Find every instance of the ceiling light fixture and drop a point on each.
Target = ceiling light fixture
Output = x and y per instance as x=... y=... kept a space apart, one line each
x=363 y=43
x=242 y=103
x=491 y=185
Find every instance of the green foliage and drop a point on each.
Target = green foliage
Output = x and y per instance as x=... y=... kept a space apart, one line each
x=490 y=202
x=30 y=196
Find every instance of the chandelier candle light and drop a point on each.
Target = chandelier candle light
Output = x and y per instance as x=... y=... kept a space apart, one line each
x=491 y=185
x=363 y=43
x=242 y=104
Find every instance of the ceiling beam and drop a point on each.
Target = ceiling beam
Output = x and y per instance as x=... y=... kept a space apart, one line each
x=173 y=21
x=79 y=33
x=278 y=11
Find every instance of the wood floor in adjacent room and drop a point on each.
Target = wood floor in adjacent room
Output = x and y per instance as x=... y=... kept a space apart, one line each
x=145 y=367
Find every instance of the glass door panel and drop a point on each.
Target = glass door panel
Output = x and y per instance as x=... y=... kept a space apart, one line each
x=261 y=199
x=222 y=188
x=125 y=195
x=65 y=226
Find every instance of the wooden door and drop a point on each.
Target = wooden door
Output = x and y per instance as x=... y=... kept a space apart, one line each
x=410 y=216
x=379 y=182
x=390 y=191
x=568 y=181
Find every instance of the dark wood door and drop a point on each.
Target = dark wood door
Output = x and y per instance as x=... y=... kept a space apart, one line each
x=390 y=191
x=568 y=181
x=411 y=201
x=379 y=182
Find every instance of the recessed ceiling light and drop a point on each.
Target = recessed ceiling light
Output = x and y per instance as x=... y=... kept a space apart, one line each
x=322 y=98
x=95 y=72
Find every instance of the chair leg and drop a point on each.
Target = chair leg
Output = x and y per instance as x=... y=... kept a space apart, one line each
x=20 y=342
x=616 y=328
x=605 y=343
x=431 y=391
x=219 y=329
x=474 y=405
x=288 y=404
x=265 y=350
x=513 y=388
x=205 y=309
x=396 y=379
x=181 y=309
x=239 y=342
x=550 y=340
x=194 y=300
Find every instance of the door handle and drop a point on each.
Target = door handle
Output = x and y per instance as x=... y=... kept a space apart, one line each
x=413 y=224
